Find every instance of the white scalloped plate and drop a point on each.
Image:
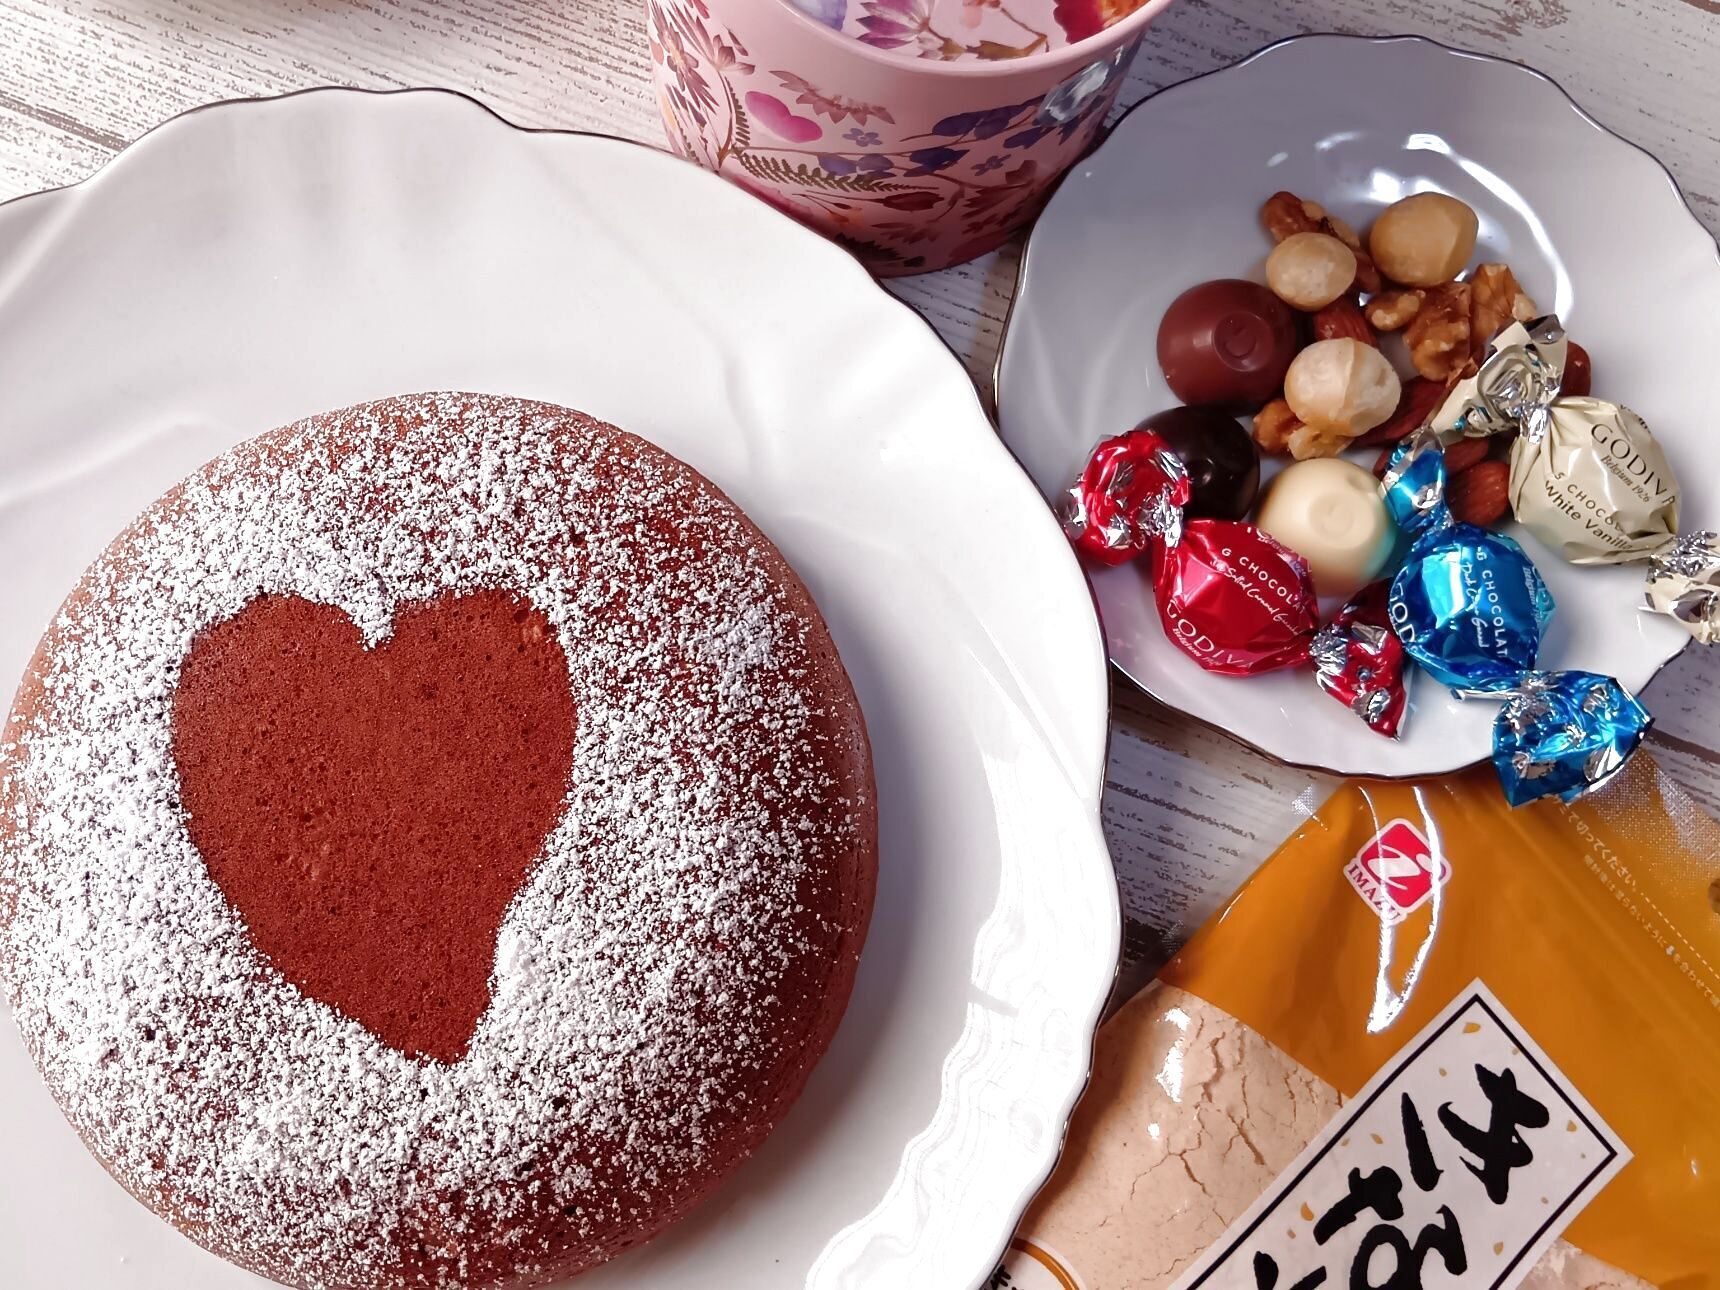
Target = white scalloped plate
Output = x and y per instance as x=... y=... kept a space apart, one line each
x=1594 y=227
x=252 y=263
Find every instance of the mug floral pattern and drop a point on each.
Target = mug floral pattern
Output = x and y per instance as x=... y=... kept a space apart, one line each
x=905 y=194
x=950 y=31
x=910 y=26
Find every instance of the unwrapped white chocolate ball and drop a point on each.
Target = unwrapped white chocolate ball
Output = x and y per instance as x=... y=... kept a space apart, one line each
x=1424 y=240
x=1330 y=512
x=1310 y=270
x=1342 y=386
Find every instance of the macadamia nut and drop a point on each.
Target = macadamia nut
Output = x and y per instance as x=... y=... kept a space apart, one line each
x=1341 y=386
x=1423 y=240
x=1310 y=270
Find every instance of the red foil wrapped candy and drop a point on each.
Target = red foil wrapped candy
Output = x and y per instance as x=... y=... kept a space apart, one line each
x=1359 y=661
x=1230 y=597
x=1233 y=599
x=1131 y=492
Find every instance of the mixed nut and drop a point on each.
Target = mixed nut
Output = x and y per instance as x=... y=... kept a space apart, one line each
x=1306 y=354
x=1316 y=333
x=1415 y=252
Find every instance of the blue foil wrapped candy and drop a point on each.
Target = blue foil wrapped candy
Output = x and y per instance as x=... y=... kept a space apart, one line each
x=1471 y=608
x=1562 y=733
x=1413 y=486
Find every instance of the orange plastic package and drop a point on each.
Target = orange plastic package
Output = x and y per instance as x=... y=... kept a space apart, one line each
x=1433 y=1042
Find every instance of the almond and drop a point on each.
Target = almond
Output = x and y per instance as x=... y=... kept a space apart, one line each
x=1342 y=319
x=1463 y=454
x=1579 y=372
x=1285 y=213
x=1480 y=495
x=1419 y=400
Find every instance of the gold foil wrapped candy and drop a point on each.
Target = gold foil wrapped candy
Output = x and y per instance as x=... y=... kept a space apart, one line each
x=1590 y=480
x=1684 y=583
x=1588 y=477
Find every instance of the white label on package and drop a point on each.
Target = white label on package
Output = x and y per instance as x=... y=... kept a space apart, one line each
x=1460 y=1162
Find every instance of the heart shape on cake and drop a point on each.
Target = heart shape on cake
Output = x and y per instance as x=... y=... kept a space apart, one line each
x=370 y=813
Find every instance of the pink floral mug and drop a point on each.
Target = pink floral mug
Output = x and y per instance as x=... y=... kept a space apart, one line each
x=918 y=133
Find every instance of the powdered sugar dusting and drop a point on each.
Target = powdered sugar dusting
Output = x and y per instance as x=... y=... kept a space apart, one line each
x=645 y=974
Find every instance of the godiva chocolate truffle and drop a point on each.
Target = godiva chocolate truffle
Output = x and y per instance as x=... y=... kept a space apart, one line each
x=1591 y=482
x=1223 y=463
x=1329 y=511
x=1228 y=343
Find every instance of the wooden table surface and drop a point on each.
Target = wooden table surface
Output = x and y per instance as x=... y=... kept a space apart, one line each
x=1188 y=812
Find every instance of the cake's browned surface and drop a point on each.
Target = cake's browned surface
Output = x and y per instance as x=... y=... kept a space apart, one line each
x=437 y=843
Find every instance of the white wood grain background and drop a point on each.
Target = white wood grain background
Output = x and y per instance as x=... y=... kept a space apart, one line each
x=1188 y=812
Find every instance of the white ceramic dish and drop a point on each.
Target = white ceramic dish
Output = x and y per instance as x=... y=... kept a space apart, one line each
x=252 y=263
x=1593 y=226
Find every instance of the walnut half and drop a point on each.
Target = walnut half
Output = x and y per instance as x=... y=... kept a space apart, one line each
x=1495 y=299
x=1278 y=430
x=1438 y=335
x=1392 y=310
x=1273 y=426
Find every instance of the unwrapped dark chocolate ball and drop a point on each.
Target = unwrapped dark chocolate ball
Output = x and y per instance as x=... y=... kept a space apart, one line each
x=1223 y=463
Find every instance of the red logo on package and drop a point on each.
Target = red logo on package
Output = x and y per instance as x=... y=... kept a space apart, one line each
x=1396 y=871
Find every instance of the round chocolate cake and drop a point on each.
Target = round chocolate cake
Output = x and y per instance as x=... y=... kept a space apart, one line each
x=436 y=842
